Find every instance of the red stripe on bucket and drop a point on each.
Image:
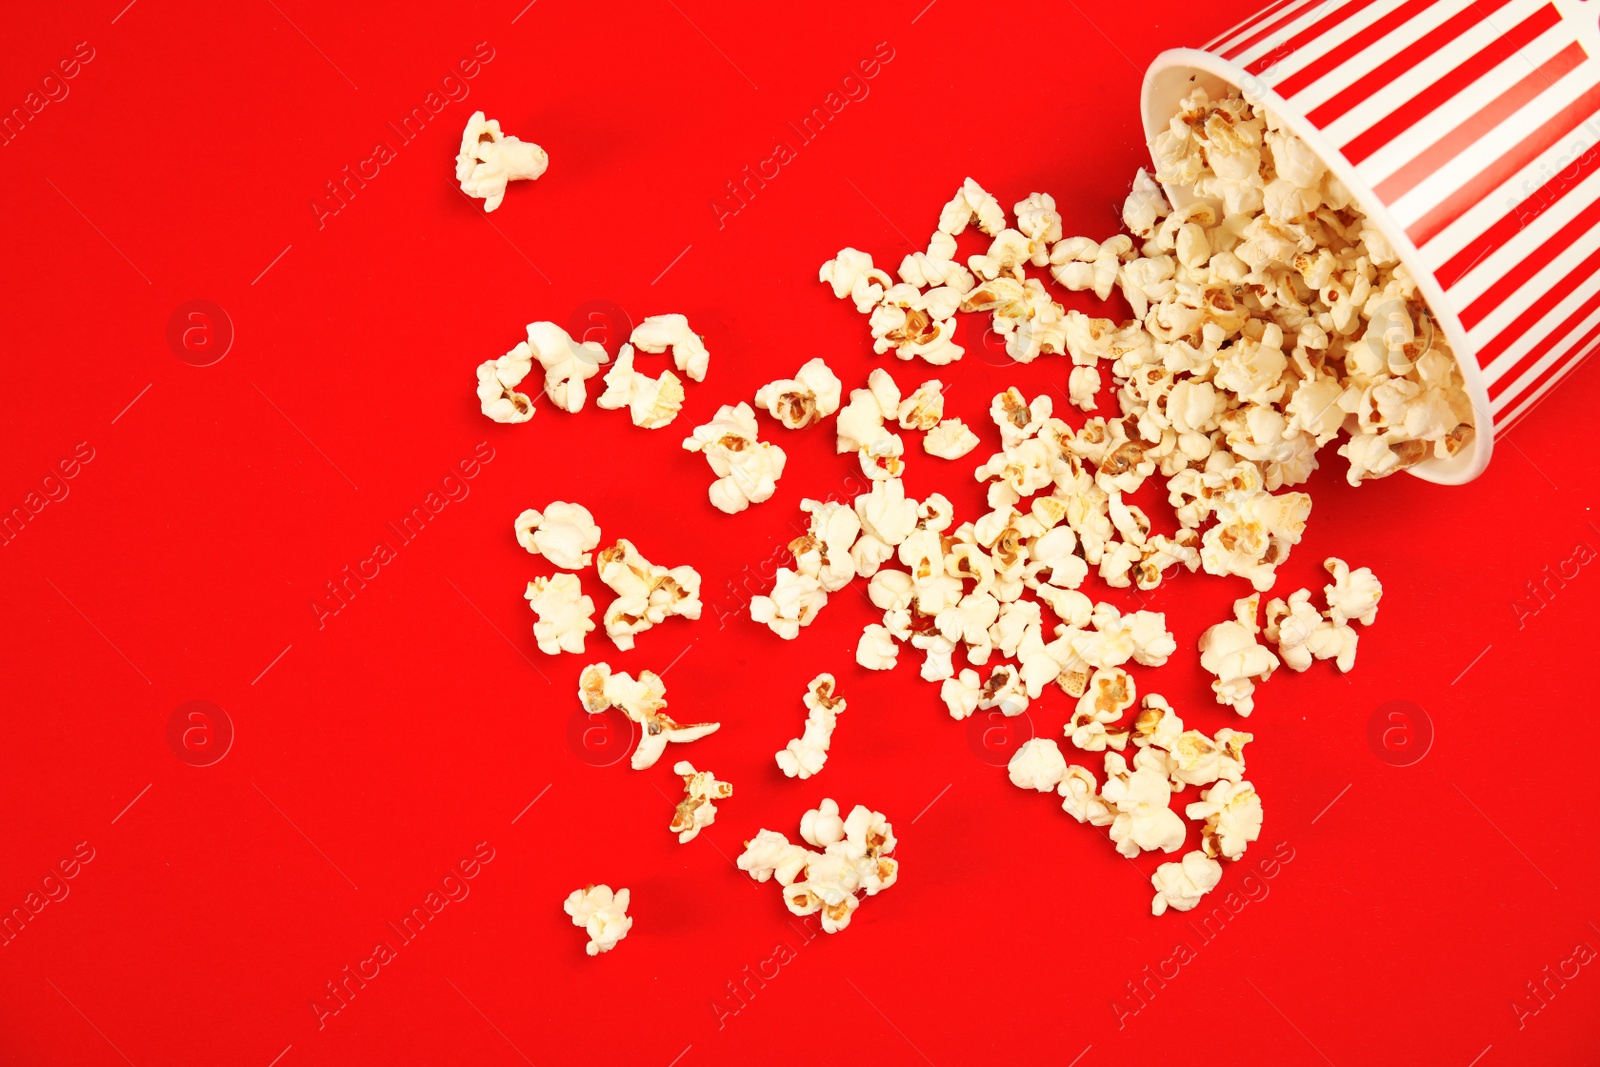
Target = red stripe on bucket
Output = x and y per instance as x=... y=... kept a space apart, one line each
x=1532 y=207
x=1384 y=74
x=1250 y=42
x=1569 y=360
x=1514 y=159
x=1317 y=29
x=1248 y=24
x=1536 y=260
x=1525 y=322
x=1351 y=47
x=1403 y=118
x=1431 y=159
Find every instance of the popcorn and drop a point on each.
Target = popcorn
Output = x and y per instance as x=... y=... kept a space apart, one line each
x=805 y=755
x=600 y=912
x=961 y=694
x=657 y=333
x=1232 y=814
x=770 y=855
x=823 y=552
x=1081 y=798
x=1302 y=634
x=567 y=363
x=854 y=858
x=1017 y=418
x=1353 y=594
x=877 y=651
x=809 y=396
x=923 y=409
x=950 y=439
x=1004 y=690
x=794 y=601
x=972 y=201
x=936 y=268
x=860 y=427
x=642 y=701
x=1180 y=886
x=564 y=534
x=1038 y=219
x=489 y=159
x=697 y=808
x=646 y=594
x=1230 y=651
x=497 y=382
x=747 y=470
x=1038 y=764
x=565 y=614
x=1143 y=821
x=852 y=275
x=651 y=402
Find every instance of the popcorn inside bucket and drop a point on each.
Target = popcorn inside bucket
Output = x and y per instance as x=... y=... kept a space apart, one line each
x=1330 y=329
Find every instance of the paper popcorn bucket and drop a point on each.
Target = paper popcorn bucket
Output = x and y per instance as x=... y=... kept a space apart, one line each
x=1467 y=132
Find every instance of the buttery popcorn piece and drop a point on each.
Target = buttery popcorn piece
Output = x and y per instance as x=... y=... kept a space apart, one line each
x=747 y=469
x=642 y=700
x=651 y=402
x=971 y=201
x=877 y=651
x=563 y=533
x=1230 y=651
x=805 y=755
x=489 y=159
x=1038 y=764
x=565 y=614
x=497 y=382
x=1354 y=594
x=1180 y=885
x=1232 y=814
x=647 y=595
x=811 y=395
x=567 y=363
x=794 y=601
x=603 y=914
x=657 y=333
x=697 y=808
x=854 y=858
x=950 y=439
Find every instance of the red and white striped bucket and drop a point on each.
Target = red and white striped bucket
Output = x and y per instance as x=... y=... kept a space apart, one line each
x=1469 y=132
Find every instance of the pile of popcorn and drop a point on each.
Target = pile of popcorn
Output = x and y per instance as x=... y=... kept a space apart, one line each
x=1270 y=319
x=854 y=859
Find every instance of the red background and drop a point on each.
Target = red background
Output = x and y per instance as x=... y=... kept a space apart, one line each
x=375 y=752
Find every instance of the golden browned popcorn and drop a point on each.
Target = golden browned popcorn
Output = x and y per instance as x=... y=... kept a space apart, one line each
x=644 y=701
x=646 y=594
x=697 y=808
x=808 y=397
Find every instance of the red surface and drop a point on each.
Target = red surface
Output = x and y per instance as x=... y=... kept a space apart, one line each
x=374 y=753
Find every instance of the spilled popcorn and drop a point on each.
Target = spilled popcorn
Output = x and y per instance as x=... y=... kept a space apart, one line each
x=602 y=913
x=697 y=808
x=854 y=858
x=489 y=159
x=644 y=701
x=805 y=755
